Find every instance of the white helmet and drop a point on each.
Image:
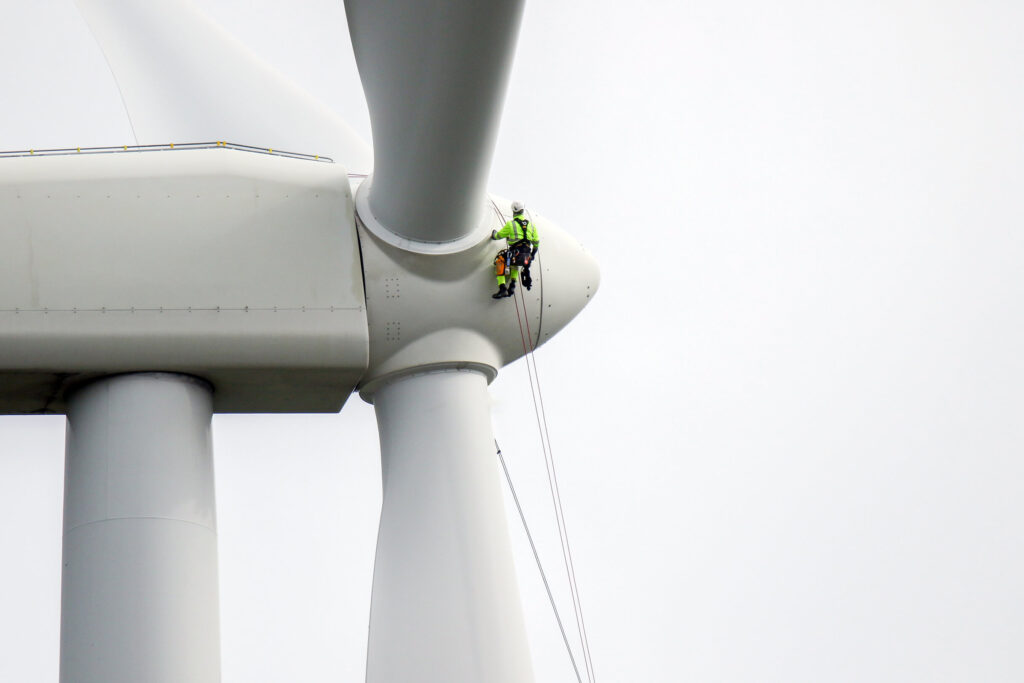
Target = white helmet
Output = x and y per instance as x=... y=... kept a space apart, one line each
x=518 y=207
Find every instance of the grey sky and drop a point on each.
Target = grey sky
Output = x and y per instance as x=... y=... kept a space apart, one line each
x=788 y=429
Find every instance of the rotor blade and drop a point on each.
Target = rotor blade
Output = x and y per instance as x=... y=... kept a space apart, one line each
x=184 y=79
x=445 y=603
x=435 y=74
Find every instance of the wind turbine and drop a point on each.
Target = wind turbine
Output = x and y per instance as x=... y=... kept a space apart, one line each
x=151 y=286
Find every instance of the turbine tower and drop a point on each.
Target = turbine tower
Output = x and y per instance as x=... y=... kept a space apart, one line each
x=147 y=287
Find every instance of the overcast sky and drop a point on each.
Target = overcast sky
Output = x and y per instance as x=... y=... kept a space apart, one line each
x=788 y=429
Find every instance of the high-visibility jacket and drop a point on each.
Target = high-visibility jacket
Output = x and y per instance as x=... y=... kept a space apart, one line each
x=518 y=231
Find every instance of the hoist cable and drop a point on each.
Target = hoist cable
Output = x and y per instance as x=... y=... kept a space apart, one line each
x=556 y=498
x=536 y=557
x=556 y=492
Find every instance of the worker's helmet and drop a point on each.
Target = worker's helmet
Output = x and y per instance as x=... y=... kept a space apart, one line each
x=518 y=207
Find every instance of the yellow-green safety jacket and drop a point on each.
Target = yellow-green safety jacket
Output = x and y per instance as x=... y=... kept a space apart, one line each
x=518 y=231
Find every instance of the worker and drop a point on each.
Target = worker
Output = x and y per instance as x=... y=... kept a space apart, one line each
x=523 y=244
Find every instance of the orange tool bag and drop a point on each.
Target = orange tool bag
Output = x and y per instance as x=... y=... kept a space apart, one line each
x=501 y=262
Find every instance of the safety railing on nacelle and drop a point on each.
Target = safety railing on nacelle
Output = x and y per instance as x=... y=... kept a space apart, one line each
x=170 y=146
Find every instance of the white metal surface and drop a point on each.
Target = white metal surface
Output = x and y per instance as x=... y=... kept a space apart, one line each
x=183 y=78
x=247 y=271
x=139 y=594
x=445 y=606
x=435 y=74
x=473 y=232
x=428 y=310
x=569 y=276
x=239 y=267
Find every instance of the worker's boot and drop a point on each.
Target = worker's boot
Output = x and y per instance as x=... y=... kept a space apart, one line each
x=501 y=293
x=511 y=288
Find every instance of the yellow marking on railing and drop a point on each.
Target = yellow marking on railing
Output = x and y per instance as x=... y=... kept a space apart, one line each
x=126 y=148
x=79 y=149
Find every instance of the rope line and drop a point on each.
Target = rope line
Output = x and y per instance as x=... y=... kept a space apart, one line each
x=556 y=498
x=536 y=557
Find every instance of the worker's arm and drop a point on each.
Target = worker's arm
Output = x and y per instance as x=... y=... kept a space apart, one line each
x=504 y=233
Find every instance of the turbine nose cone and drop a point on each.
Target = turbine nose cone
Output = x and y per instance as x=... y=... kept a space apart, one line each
x=570 y=277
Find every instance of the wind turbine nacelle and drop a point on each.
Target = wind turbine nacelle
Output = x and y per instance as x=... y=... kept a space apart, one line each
x=248 y=270
x=238 y=267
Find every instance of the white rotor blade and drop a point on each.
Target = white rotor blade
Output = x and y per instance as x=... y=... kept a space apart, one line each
x=435 y=74
x=184 y=79
x=445 y=606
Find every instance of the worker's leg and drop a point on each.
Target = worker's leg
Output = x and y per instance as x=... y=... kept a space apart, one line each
x=502 y=290
x=512 y=275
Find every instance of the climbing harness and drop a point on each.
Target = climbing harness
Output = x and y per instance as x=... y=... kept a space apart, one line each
x=523 y=224
x=521 y=254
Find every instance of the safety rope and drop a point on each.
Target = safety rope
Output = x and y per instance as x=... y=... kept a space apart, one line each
x=556 y=497
x=536 y=558
x=556 y=492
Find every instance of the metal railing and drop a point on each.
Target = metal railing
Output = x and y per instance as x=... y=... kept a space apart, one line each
x=128 y=149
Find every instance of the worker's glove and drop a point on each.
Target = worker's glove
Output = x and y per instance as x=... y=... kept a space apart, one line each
x=494 y=234
x=533 y=254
